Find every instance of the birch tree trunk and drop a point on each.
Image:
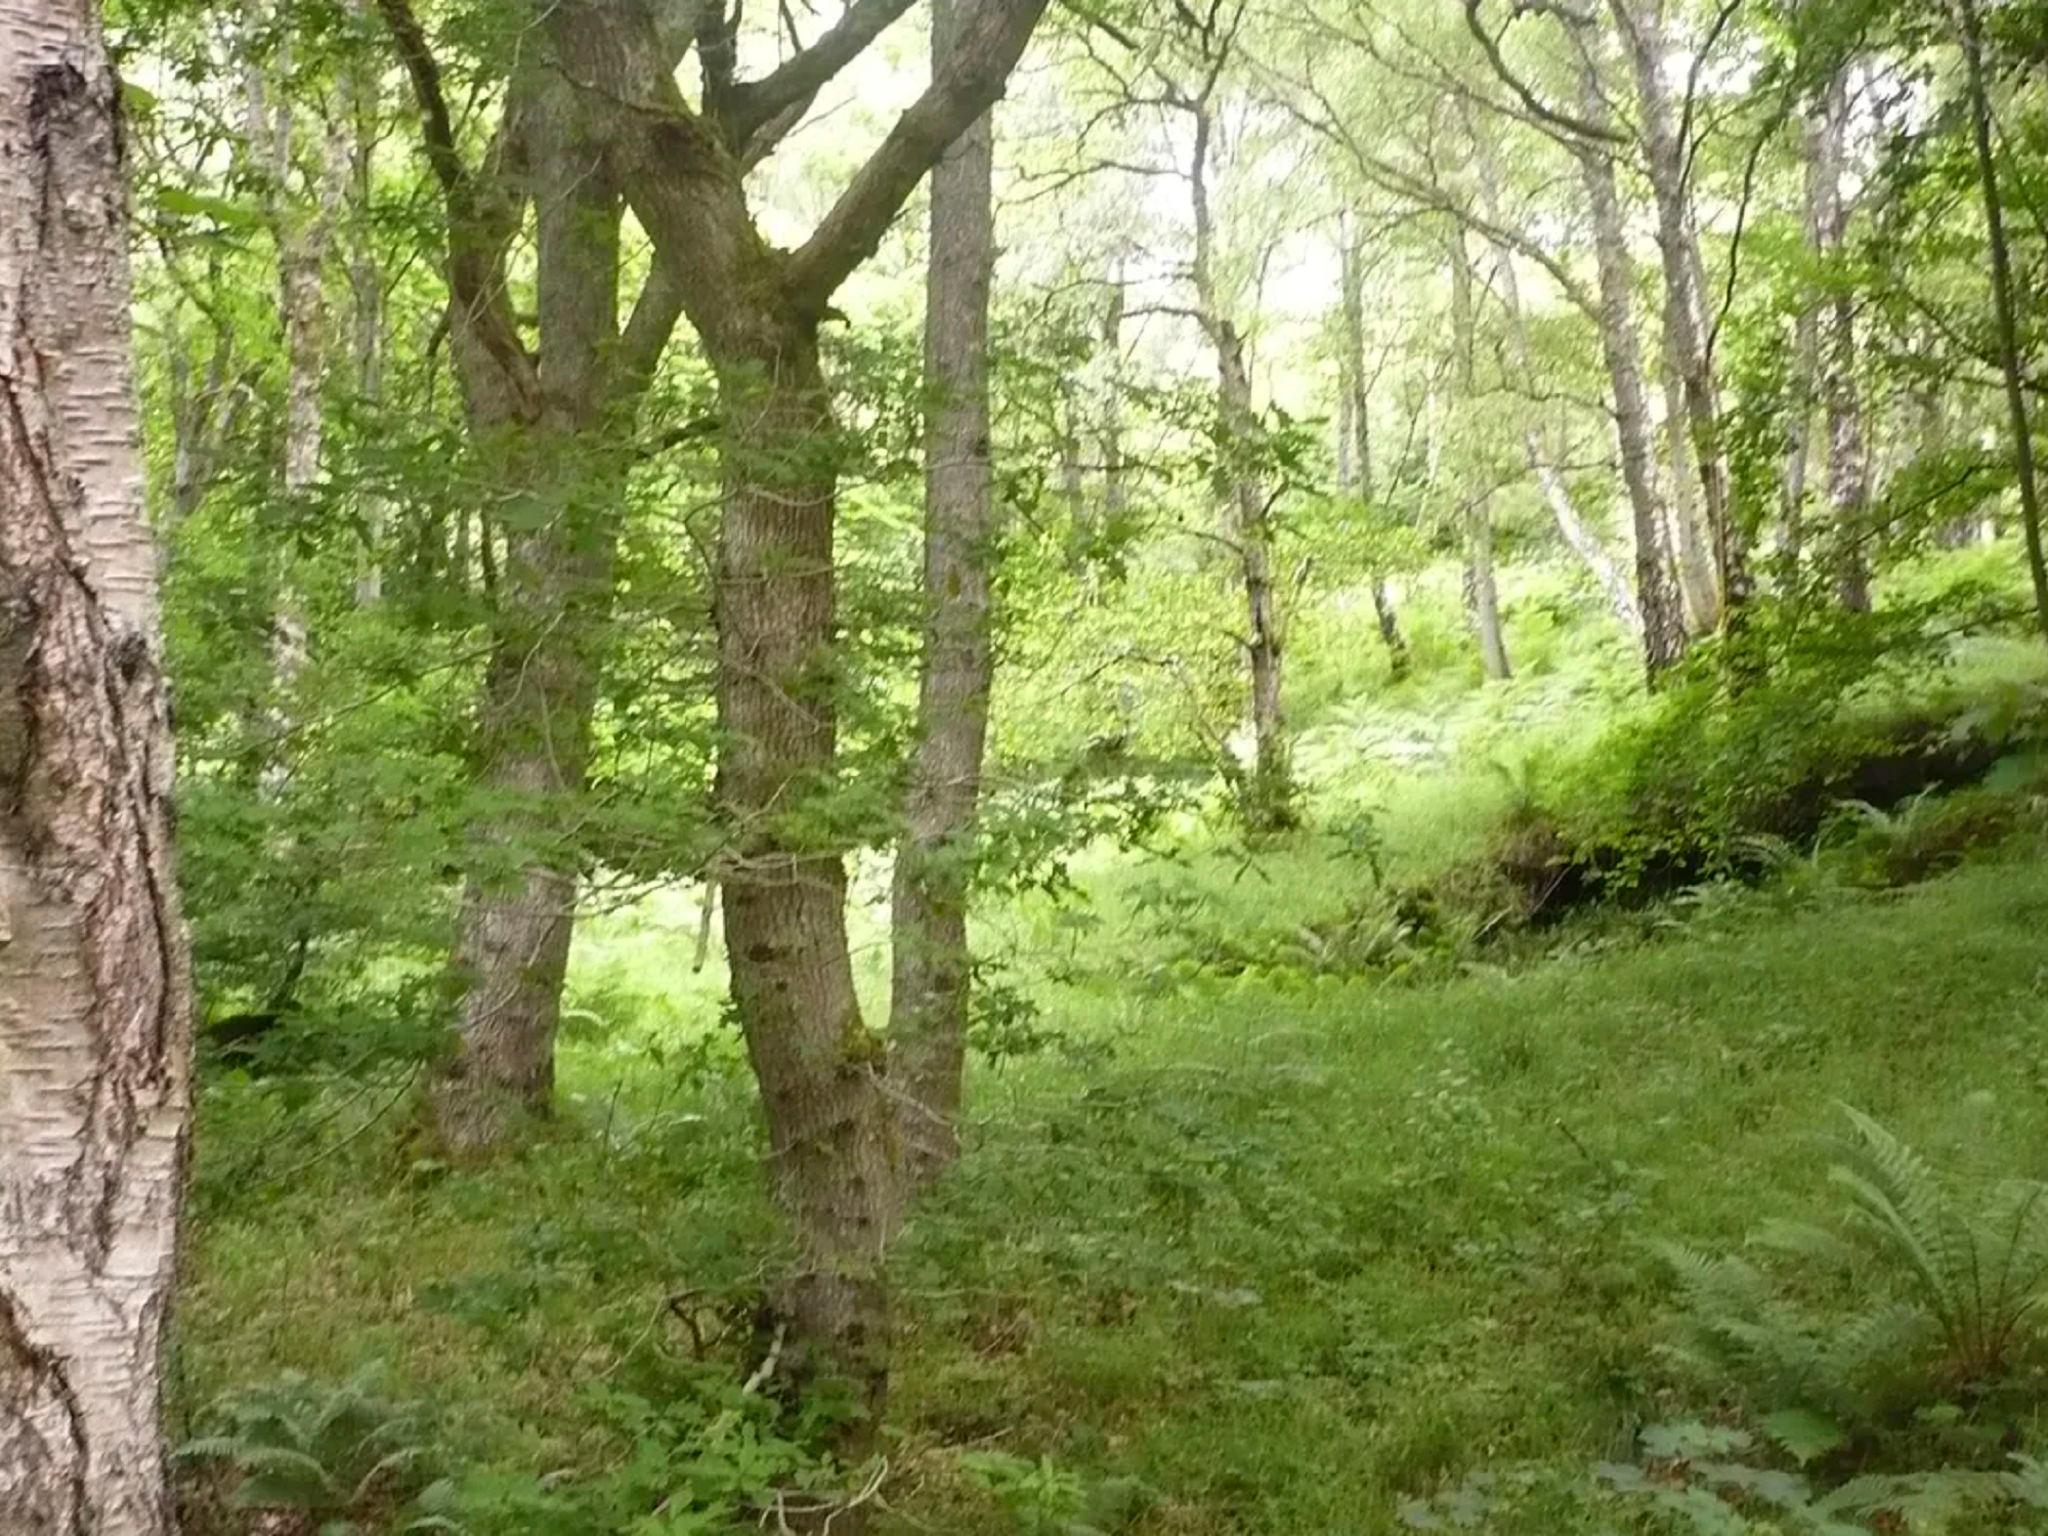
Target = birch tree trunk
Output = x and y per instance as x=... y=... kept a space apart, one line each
x=1657 y=598
x=1267 y=797
x=1355 y=443
x=1115 y=490
x=95 y=1002
x=1641 y=24
x=1691 y=557
x=1475 y=513
x=1537 y=451
x=930 y=995
x=1848 y=475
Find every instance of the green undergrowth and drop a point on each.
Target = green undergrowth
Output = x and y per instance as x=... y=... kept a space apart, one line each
x=1314 y=1183
x=1253 y=1260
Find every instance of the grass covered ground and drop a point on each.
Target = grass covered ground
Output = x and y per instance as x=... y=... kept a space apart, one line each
x=1270 y=1246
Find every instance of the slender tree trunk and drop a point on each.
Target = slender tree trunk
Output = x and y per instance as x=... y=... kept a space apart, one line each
x=366 y=286
x=1268 y=794
x=1692 y=559
x=933 y=969
x=1355 y=443
x=1657 y=598
x=1115 y=490
x=2005 y=301
x=832 y=1136
x=1803 y=384
x=1537 y=451
x=95 y=999
x=1482 y=588
x=1641 y=24
x=1848 y=479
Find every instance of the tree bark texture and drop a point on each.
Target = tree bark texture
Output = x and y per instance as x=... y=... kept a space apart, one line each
x=930 y=995
x=1658 y=600
x=95 y=1001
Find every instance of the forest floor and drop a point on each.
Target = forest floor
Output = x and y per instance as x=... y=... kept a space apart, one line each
x=1242 y=1242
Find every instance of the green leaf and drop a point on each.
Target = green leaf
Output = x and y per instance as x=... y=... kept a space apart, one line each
x=1803 y=1435
x=179 y=202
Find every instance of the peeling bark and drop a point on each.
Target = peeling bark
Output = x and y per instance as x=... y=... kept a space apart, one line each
x=95 y=1000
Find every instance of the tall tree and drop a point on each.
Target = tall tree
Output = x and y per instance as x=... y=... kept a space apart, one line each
x=1669 y=159
x=1268 y=794
x=1848 y=474
x=934 y=862
x=757 y=311
x=2004 y=298
x=548 y=419
x=1657 y=597
x=1355 y=469
x=1475 y=502
x=95 y=1004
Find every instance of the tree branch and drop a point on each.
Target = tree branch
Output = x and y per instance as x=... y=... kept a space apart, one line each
x=476 y=243
x=988 y=49
x=756 y=109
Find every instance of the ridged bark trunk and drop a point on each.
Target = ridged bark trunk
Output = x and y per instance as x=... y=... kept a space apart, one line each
x=1657 y=597
x=933 y=969
x=95 y=998
x=831 y=1130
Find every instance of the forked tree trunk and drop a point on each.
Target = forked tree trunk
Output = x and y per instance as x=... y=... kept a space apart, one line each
x=933 y=969
x=757 y=311
x=550 y=629
x=95 y=1001
x=832 y=1136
